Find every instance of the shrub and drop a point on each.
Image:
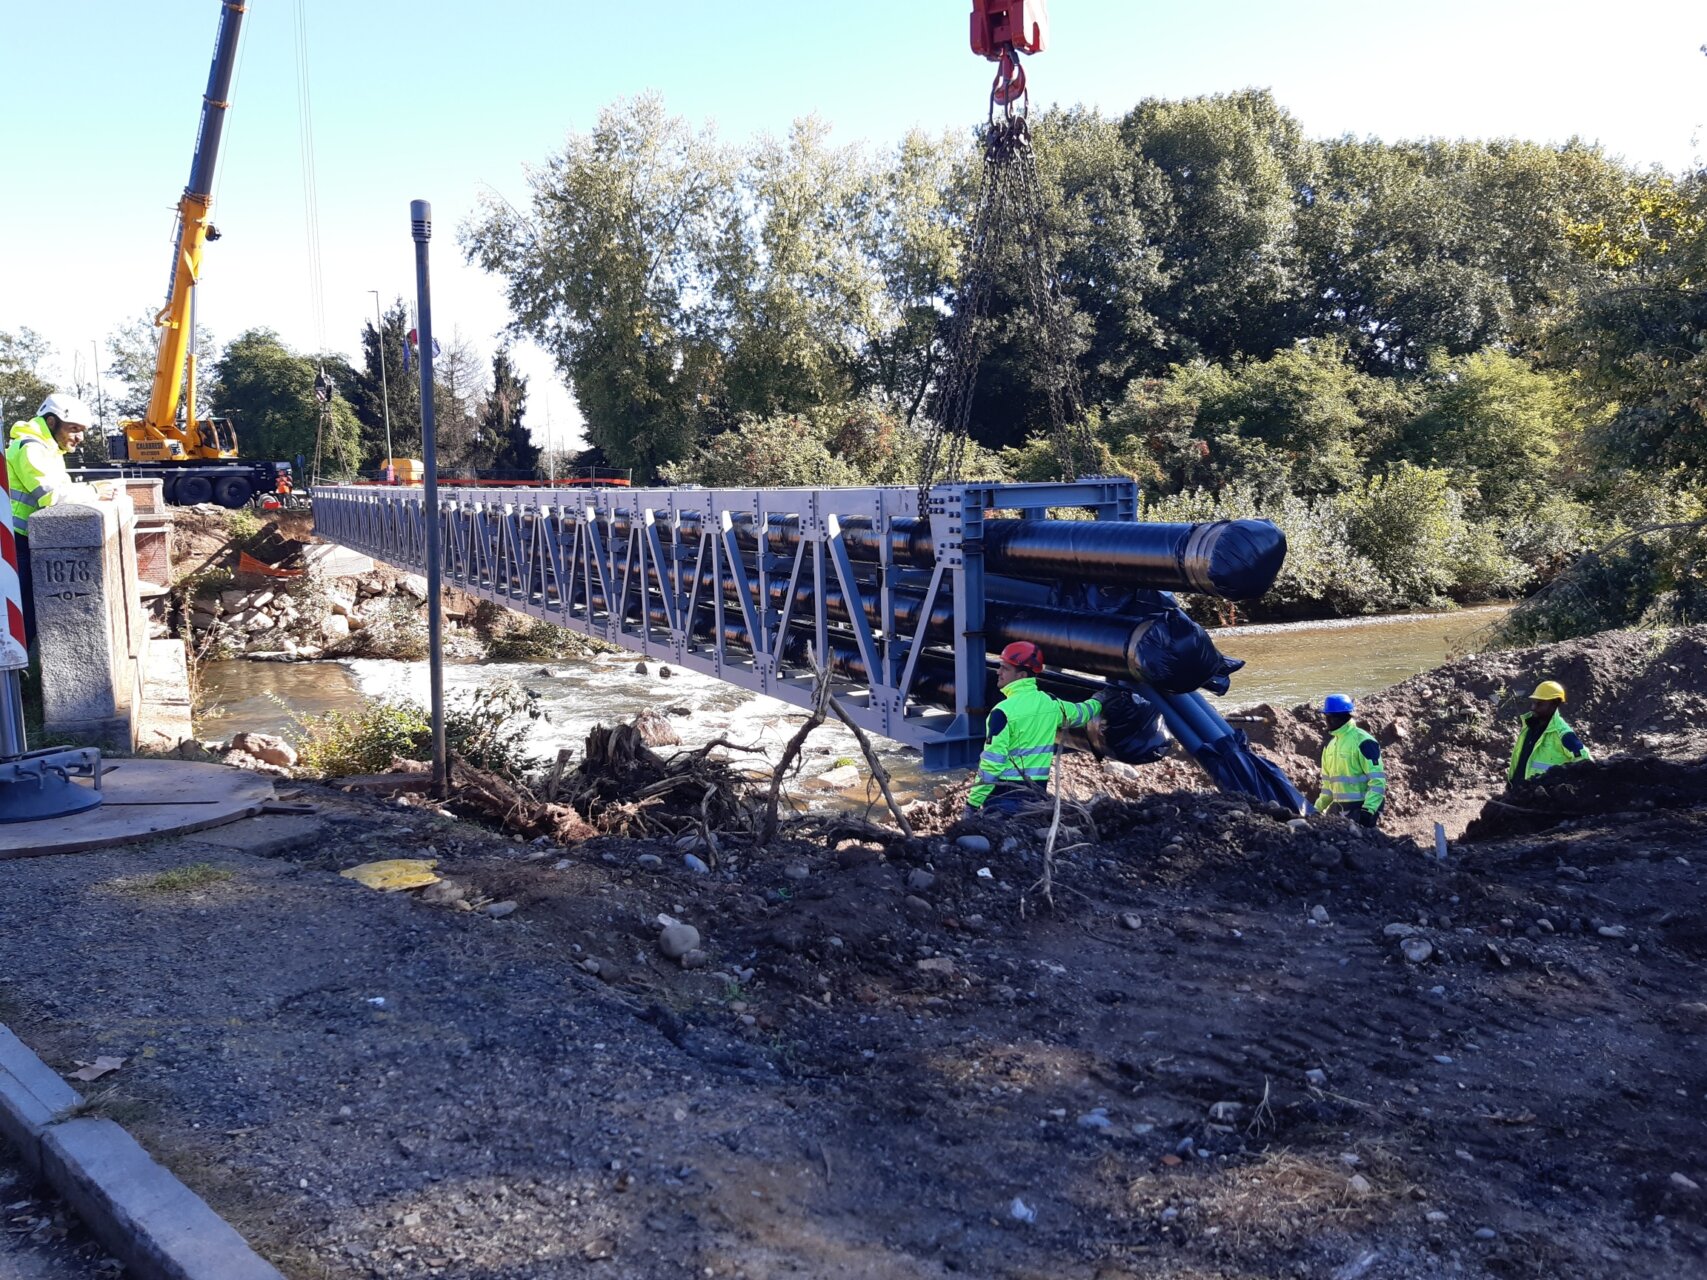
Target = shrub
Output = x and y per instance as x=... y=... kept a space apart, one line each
x=486 y=727
x=365 y=740
x=538 y=641
x=1641 y=579
x=483 y=726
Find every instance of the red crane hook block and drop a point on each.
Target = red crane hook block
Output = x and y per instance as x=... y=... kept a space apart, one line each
x=1001 y=25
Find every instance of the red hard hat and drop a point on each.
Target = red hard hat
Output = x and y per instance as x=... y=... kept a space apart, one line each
x=1024 y=655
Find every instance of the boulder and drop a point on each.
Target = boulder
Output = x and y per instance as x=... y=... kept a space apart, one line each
x=655 y=730
x=266 y=748
x=260 y=600
x=838 y=779
x=677 y=940
x=335 y=627
x=414 y=584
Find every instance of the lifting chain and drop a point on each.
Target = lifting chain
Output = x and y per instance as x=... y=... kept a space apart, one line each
x=1010 y=212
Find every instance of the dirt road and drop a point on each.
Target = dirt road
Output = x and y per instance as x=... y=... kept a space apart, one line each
x=884 y=1069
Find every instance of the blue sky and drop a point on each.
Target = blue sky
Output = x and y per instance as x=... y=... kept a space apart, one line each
x=439 y=100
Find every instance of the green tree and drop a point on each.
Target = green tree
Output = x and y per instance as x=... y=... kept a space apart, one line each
x=270 y=390
x=371 y=391
x=1222 y=221
x=24 y=380
x=1639 y=340
x=503 y=428
x=1446 y=246
x=608 y=273
x=911 y=227
x=1499 y=426
x=799 y=292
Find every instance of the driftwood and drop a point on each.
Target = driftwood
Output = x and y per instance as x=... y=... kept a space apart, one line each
x=878 y=772
x=513 y=808
x=624 y=787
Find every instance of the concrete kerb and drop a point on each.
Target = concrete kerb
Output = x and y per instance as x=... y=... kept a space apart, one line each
x=145 y=1217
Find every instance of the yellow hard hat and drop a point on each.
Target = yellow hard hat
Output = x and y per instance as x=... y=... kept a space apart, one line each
x=1549 y=691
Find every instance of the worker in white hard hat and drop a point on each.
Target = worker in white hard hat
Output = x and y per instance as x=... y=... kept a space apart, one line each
x=37 y=478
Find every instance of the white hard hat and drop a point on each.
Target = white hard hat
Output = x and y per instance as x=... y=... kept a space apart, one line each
x=68 y=409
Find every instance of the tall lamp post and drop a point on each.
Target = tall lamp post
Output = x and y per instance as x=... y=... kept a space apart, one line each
x=384 y=390
x=421 y=223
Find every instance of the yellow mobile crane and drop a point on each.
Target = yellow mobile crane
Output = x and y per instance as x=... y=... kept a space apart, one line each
x=196 y=457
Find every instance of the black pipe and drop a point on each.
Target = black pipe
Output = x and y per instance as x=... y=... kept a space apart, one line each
x=1234 y=559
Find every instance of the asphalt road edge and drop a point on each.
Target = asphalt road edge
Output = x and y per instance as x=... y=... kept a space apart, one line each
x=136 y=1208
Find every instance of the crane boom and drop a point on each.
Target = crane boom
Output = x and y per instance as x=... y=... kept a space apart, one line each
x=175 y=319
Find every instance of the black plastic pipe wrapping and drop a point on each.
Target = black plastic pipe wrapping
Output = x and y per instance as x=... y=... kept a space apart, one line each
x=1233 y=559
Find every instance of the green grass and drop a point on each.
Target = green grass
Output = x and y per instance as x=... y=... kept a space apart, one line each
x=198 y=875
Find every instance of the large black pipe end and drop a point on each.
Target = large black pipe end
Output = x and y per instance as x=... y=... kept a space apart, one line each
x=1235 y=559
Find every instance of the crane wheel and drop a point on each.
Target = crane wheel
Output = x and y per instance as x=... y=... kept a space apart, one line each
x=193 y=490
x=233 y=492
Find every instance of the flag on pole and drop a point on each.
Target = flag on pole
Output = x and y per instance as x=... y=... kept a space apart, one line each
x=413 y=344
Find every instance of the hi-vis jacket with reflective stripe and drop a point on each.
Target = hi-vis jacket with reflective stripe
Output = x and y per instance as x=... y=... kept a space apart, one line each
x=1352 y=772
x=1021 y=747
x=35 y=471
x=1557 y=744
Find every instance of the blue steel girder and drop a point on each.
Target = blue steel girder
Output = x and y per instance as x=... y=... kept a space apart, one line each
x=653 y=570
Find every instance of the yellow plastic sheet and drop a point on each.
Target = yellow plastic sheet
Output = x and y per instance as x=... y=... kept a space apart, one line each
x=394 y=874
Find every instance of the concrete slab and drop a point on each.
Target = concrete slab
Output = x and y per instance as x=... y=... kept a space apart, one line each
x=145 y=798
x=267 y=836
x=154 y=1224
x=31 y=1095
x=329 y=560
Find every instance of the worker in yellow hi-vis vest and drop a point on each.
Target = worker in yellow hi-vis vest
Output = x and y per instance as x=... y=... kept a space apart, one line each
x=1354 y=779
x=37 y=478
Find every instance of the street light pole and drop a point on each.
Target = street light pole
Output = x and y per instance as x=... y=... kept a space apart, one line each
x=384 y=391
x=421 y=221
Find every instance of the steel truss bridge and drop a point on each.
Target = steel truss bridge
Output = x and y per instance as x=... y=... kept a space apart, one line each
x=904 y=603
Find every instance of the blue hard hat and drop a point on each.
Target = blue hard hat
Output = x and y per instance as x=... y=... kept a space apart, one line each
x=1336 y=702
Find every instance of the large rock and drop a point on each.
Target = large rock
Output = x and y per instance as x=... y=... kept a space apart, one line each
x=336 y=627
x=677 y=940
x=655 y=730
x=415 y=585
x=838 y=779
x=265 y=748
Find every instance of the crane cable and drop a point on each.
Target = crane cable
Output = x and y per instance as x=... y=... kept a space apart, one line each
x=1008 y=229
x=311 y=217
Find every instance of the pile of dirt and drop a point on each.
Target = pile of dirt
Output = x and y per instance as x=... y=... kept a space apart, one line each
x=1447 y=734
x=1627 y=786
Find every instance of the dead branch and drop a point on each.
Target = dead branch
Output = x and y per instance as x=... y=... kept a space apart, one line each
x=877 y=770
x=820 y=696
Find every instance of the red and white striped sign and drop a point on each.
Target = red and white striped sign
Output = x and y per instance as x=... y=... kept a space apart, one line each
x=14 y=645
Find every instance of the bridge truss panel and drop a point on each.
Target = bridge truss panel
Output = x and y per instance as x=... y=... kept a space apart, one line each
x=750 y=586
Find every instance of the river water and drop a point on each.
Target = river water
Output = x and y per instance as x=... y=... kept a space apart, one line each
x=1285 y=665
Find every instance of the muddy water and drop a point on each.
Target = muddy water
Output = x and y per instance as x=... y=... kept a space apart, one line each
x=1284 y=665
x=1297 y=662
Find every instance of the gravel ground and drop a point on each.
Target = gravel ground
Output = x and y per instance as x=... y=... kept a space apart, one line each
x=1212 y=1061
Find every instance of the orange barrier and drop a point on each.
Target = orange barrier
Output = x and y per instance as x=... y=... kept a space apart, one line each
x=247 y=563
